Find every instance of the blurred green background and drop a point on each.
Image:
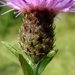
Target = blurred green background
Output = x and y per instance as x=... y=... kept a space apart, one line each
x=62 y=64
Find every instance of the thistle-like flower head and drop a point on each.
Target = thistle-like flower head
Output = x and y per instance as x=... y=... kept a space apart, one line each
x=27 y=6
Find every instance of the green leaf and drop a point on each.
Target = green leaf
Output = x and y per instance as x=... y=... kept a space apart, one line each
x=44 y=62
x=27 y=69
x=11 y=48
x=52 y=53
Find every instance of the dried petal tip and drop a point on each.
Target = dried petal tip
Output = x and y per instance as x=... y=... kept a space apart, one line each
x=26 y=6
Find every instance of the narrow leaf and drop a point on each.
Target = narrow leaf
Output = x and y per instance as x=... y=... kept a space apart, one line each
x=27 y=69
x=44 y=62
x=11 y=48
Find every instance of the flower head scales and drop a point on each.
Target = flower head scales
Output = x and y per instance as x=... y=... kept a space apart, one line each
x=58 y=6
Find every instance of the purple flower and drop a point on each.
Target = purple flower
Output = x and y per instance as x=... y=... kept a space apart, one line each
x=27 y=6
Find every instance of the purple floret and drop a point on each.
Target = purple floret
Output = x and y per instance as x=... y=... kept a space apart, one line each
x=59 y=6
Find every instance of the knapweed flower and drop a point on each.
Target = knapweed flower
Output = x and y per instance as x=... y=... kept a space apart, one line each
x=36 y=36
x=37 y=32
x=58 y=6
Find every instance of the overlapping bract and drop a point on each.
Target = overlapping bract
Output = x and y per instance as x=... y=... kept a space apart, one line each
x=27 y=5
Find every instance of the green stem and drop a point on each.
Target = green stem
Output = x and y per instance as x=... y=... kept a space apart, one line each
x=27 y=69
